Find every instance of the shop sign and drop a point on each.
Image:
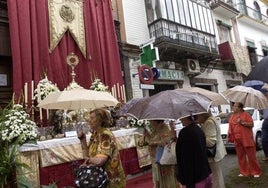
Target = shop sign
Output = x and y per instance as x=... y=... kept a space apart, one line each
x=146 y=86
x=169 y=74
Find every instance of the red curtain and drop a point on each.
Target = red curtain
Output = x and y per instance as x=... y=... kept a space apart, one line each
x=29 y=33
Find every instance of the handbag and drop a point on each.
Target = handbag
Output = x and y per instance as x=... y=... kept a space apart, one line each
x=211 y=151
x=158 y=154
x=91 y=177
x=169 y=155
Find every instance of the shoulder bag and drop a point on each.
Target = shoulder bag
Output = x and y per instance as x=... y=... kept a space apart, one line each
x=91 y=177
x=169 y=155
x=211 y=151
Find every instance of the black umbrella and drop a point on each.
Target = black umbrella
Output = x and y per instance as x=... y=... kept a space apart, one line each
x=260 y=71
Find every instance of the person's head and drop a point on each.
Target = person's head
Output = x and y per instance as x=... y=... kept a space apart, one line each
x=203 y=117
x=98 y=118
x=237 y=107
x=188 y=120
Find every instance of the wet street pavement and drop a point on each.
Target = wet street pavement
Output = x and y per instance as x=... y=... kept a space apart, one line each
x=229 y=162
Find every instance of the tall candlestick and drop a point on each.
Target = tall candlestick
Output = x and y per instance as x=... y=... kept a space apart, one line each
x=41 y=114
x=38 y=93
x=115 y=96
x=47 y=114
x=124 y=93
x=26 y=92
x=32 y=90
x=112 y=91
x=118 y=89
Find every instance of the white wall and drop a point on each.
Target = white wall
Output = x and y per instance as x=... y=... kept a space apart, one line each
x=247 y=32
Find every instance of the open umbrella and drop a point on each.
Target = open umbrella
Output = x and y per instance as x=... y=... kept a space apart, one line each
x=216 y=98
x=260 y=71
x=248 y=96
x=170 y=104
x=255 y=84
x=78 y=98
x=123 y=110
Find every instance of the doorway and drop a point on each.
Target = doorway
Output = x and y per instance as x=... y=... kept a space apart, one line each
x=161 y=87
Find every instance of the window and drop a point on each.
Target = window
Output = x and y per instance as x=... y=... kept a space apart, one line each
x=252 y=52
x=224 y=31
x=257 y=11
x=265 y=50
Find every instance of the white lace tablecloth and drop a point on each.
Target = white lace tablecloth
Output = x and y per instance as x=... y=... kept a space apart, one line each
x=62 y=150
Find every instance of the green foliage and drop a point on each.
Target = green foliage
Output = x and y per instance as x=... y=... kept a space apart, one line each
x=9 y=162
x=10 y=165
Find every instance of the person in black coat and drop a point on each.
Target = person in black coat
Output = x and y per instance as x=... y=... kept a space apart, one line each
x=193 y=169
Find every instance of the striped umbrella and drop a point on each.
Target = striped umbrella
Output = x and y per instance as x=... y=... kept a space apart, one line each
x=248 y=96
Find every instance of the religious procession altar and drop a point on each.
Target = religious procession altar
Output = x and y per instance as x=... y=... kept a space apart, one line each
x=51 y=118
x=55 y=160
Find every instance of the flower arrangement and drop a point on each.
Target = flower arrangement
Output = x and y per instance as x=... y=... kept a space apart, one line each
x=16 y=125
x=97 y=85
x=73 y=85
x=44 y=88
x=140 y=123
x=15 y=129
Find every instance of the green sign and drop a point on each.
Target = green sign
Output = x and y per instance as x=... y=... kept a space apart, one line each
x=149 y=55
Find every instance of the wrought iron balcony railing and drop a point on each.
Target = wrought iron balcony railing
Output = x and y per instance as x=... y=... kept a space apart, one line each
x=182 y=35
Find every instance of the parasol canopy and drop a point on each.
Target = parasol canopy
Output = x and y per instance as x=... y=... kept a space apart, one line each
x=78 y=98
x=248 y=96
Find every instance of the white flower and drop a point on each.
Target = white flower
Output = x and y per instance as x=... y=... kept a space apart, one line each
x=16 y=124
x=140 y=123
x=97 y=85
x=44 y=88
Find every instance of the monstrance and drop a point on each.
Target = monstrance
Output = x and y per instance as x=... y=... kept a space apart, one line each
x=72 y=60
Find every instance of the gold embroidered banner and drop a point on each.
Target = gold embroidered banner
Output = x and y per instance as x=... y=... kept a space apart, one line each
x=66 y=15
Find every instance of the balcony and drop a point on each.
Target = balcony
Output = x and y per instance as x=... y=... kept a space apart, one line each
x=253 y=17
x=224 y=8
x=175 y=41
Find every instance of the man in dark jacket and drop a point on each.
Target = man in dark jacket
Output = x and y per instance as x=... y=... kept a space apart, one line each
x=193 y=168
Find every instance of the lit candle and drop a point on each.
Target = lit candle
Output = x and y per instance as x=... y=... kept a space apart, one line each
x=118 y=89
x=38 y=93
x=47 y=114
x=41 y=115
x=124 y=93
x=112 y=91
x=32 y=90
x=115 y=96
x=26 y=92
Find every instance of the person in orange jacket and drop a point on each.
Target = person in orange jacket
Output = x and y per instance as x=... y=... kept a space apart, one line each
x=240 y=132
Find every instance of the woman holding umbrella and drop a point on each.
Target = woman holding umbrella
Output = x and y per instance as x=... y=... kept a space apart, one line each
x=240 y=132
x=163 y=175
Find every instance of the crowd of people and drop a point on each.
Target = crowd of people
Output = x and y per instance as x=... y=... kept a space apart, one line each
x=194 y=169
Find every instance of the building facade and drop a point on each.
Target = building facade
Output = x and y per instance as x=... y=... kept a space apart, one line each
x=204 y=43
